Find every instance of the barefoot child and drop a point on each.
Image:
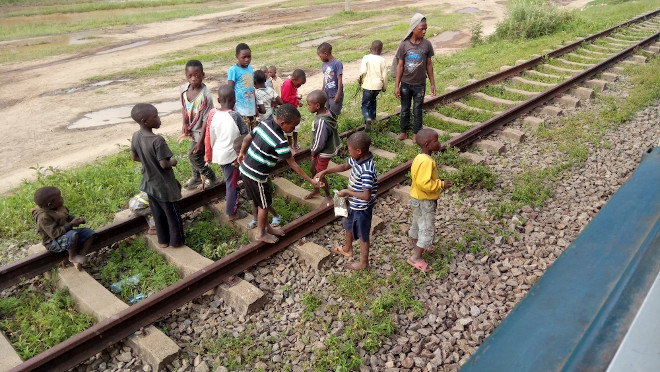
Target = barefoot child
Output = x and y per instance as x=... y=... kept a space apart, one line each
x=267 y=99
x=362 y=188
x=158 y=179
x=414 y=65
x=373 y=79
x=333 y=85
x=224 y=126
x=240 y=76
x=197 y=103
x=325 y=139
x=290 y=95
x=238 y=143
x=259 y=153
x=424 y=193
x=56 y=226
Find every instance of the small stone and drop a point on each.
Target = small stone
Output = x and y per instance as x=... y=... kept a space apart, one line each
x=125 y=357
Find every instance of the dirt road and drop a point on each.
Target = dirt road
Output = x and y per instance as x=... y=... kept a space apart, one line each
x=39 y=99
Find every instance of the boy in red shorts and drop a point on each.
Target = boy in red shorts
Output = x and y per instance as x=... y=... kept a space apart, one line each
x=325 y=139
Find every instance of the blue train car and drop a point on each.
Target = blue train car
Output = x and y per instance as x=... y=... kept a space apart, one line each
x=576 y=317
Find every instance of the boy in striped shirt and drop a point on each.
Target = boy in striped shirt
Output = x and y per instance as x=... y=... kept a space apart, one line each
x=261 y=150
x=361 y=193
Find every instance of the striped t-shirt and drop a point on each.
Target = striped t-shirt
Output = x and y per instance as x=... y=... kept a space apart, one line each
x=268 y=145
x=363 y=176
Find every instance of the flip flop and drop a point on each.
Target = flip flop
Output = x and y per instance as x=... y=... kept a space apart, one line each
x=420 y=265
x=340 y=250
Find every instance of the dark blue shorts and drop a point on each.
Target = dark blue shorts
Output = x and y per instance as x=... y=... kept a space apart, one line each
x=65 y=241
x=358 y=223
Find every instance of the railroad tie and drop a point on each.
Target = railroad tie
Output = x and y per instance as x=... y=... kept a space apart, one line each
x=512 y=134
x=382 y=153
x=313 y=254
x=452 y=120
x=461 y=105
x=292 y=191
x=551 y=110
x=218 y=210
x=10 y=358
x=491 y=146
x=472 y=158
x=608 y=76
x=495 y=100
x=568 y=101
x=533 y=122
x=406 y=141
x=596 y=84
x=581 y=93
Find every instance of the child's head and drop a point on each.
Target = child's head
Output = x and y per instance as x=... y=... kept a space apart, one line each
x=298 y=78
x=288 y=117
x=427 y=139
x=324 y=52
x=358 y=145
x=272 y=72
x=417 y=26
x=238 y=143
x=226 y=97
x=146 y=115
x=259 y=79
x=243 y=55
x=48 y=197
x=376 y=47
x=194 y=73
x=316 y=101
x=264 y=69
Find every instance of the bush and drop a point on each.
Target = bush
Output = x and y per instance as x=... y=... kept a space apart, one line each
x=529 y=19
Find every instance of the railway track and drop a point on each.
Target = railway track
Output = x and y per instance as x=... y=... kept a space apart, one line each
x=116 y=328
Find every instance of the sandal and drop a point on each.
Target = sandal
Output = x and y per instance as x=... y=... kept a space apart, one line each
x=420 y=265
x=341 y=251
x=209 y=183
x=192 y=183
x=276 y=221
x=252 y=224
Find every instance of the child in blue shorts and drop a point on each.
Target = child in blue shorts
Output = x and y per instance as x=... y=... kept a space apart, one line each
x=361 y=193
x=56 y=226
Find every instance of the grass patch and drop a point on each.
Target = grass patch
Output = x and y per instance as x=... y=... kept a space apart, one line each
x=36 y=320
x=464 y=114
x=134 y=262
x=473 y=101
x=235 y=351
x=498 y=91
x=529 y=19
x=211 y=239
x=45 y=7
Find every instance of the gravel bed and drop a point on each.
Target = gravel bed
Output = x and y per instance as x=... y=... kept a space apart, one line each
x=461 y=308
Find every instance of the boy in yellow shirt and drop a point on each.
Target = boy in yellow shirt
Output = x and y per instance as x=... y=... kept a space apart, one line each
x=424 y=193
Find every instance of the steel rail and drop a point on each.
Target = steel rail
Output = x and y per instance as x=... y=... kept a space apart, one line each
x=79 y=348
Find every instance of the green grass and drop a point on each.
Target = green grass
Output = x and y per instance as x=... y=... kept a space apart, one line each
x=211 y=239
x=499 y=92
x=88 y=6
x=35 y=320
x=528 y=19
x=234 y=352
x=482 y=104
x=464 y=114
x=134 y=258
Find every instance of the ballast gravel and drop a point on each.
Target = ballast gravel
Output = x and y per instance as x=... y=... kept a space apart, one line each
x=461 y=308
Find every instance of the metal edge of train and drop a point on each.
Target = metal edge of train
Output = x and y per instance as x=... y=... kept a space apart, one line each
x=577 y=314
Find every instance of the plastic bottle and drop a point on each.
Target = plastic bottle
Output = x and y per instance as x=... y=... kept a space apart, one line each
x=132 y=280
x=138 y=297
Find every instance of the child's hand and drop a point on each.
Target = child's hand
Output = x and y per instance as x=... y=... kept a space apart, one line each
x=77 y=221
x=240 y=158
x=317 y=182
x=343 y=193
x=199 y=147
x=173 y=162
x=447 y=184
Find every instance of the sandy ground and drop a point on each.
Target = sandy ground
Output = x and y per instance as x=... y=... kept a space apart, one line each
x=39 y=99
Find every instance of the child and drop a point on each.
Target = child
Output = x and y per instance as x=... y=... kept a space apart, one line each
x=332 y=81
x=362 y=188
x=139 y=206
x=158 y=179
x=224 y=126
x=56 y=226
x=373 y=79
x=424 y=193
x=325 y=139
x=241 y=78
x=267 y=99
x=238 y=143
x=414 y=65
x=268 y=83
x=275 y=80
x=259 y=153
x=197 y=102
x=290 y=95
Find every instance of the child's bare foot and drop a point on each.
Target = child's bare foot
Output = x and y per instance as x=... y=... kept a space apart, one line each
x=236 y=216
x=401 y=136
x=164 y=245
x=151 y=231
x=267 y=238
x=356 y=266
x=313 y=194
x=274 y=230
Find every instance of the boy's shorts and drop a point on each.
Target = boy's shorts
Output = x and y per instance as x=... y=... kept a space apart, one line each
x=422 y=226
x=358 y=223
x=334 y=108
x=321 y=163
x=261 y=193
x=65 y=241
x=296 y=129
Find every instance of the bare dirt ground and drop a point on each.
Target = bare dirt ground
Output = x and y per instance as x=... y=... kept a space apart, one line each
x=39 y=99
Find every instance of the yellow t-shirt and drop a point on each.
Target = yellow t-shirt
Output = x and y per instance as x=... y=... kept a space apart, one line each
x=426 y=185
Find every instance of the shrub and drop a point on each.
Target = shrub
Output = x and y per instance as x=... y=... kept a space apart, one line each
x=529 y=19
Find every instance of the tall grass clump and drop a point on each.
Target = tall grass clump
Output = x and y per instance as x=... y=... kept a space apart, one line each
x=529 y=19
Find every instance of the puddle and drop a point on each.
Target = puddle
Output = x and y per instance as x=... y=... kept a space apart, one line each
x=78 y=39
x=119 y=115
x=316 y=42
x=468 y=10
x=193 y=33
x=124 y=47
x=101 y=83
x=445 y=36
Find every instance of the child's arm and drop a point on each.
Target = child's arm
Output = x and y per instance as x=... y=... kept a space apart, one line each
x=167 y=163
x=397 y=82
x=337 y=169
x=383 y=74
x=429 y=72
x=246 y=144
x=261 y=108
x=288 y=95
x=52 y=229
x=340 y=88
x=208 y=106
x=278 y=101
x=363 y=195
x=240 y=123
x=293 y=165
x=208 y=148
x=135 y=156
x=321 y=137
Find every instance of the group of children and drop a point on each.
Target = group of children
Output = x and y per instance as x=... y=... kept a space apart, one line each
x=255 y=126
